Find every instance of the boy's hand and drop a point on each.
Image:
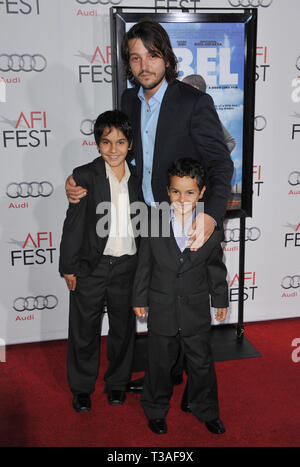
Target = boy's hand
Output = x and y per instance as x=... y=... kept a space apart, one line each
x=140 y=311
x=71 y=281
x=74 y=193
x=202 y=228
x=221 y=314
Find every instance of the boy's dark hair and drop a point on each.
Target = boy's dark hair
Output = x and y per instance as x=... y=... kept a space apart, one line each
x=113 y=119
x=155 y=39
x=187 y=167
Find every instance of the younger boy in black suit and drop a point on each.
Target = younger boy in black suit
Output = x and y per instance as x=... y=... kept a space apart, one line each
x=99 y=262
x=175 y=283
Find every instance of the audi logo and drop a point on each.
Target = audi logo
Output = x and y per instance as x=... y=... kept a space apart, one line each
x=233 y=235
x=102 y=2
x=290 y=282
x=32 y=189
x=298 y=63
x=25 y=62
x=294 y=178
x=248 y=3
x=87 y=127
x=35 y=303
x=260 y=123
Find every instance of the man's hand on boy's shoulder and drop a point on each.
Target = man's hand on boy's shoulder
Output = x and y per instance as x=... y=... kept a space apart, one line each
x=74 y=193
x=201 y=230
x=71 y=281
x=140 y=311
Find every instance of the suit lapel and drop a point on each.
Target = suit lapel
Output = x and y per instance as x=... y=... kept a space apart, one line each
x=132 y=190
x=102 y=188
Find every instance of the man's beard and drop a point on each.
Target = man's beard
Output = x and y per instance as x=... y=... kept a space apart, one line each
x=153 y=85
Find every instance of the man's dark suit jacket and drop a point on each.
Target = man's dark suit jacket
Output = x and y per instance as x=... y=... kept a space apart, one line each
x=81 y=248
x=188 y=126
x=176 y=285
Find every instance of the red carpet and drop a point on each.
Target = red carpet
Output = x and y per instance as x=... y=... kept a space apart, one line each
x=259 y=400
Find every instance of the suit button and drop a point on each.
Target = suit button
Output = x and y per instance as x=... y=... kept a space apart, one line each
x=179 y=275
x=181 y=260
x=179 y=297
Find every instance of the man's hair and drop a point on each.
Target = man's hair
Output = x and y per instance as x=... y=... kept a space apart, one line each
x=113 y=119
x=187 y=167
x=195 y=80
x=156 y=40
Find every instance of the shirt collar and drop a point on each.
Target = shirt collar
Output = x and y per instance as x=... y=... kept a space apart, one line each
x=109 y=171
x=158 y=95
x=188 y=222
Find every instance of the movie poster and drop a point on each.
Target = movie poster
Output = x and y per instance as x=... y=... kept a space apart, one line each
x=216 y=52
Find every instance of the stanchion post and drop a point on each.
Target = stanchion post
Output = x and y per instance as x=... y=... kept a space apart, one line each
x=240 y=324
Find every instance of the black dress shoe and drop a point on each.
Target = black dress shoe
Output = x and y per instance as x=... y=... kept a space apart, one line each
x=158 y=426
x=82 y=402
x=116 y=397
x=215 y=426
x=135 y=386
x=184 y=402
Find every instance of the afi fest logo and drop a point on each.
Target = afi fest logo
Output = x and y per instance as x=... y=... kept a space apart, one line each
x=188 y=5
x=292 y=239
x=20 y=7
x=257 y=179
x=35 y=250
x=261 y=63
x=30 y=131
x=295 y=96
x=99 y=69
x=249 y=288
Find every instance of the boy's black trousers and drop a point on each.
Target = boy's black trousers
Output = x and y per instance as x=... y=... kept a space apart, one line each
x=162 y=354
x=111 y=280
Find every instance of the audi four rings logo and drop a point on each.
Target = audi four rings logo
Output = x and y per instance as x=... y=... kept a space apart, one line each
x=87 y=127
x=253 y=3
x=290 y=282
x=102 y=2
x=25 y=62
x=35 y=303
x=32 y=189
x=260 y=123
x=294 y=178
x=233 y=235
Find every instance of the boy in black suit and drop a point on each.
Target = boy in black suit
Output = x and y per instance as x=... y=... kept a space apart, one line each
x=98 y=262
x=175 y=283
